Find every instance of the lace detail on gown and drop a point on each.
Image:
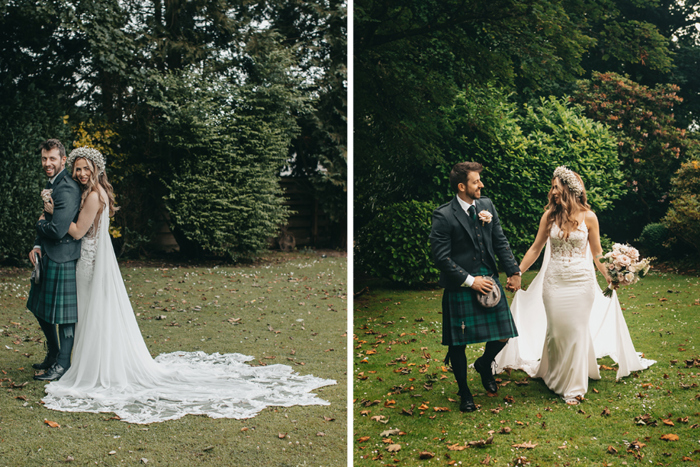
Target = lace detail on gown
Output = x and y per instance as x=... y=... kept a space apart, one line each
x=113 y=371
x=569 y=263
x=88 y=250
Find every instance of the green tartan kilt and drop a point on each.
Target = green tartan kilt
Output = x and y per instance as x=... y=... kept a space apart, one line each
x=465 y=321
x=55 y=300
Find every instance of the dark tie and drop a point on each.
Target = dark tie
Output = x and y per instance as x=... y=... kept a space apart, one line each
x=472 y=212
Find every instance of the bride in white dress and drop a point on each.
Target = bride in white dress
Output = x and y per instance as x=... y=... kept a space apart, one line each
x=112 y=369
x=565 y=321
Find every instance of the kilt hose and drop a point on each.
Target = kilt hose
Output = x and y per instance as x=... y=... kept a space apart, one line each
x=55 y=300
x=465 y=321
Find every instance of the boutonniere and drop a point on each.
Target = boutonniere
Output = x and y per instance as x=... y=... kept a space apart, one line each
x=485 y=217
x=46 y=195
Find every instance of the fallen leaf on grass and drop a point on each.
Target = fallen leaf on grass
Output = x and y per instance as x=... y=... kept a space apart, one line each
x=525 y=445
x=393 y=432
x=487 y=460
x=612 y=450
x=393 y=448
x=521 y=461
x=426 y=455
x=481 y=443
x=441 y=409
x=505 y=430
x=508 y=399
x=52 y=424
x=380 y=419
x=456 y=447
x=362 y=439
x=668 y=422
x=670 y=437
x=281 y=435
x=605 y=412
x=682 y=419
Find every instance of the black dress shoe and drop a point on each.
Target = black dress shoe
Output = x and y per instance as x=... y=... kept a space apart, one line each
x=52 y=374
x=487 y=378
x=46 y=364
x=467 y=404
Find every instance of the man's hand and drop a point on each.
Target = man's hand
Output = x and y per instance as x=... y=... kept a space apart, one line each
x=482 y=284
x=48 y=206
x=513 y=283
x=32 y=253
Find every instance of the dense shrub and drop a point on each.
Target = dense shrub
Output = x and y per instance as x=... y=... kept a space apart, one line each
x=394 y=245
x=683 y=217
x=653 y=240
x=520 y=150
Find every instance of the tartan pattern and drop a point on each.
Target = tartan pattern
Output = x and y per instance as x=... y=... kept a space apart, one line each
x=55 y=300
x=480 y=324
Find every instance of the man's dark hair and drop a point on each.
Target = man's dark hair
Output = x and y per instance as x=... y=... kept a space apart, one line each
x=53 y=143
x=460 y=173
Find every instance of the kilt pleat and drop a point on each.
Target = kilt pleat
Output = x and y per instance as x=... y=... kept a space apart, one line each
x=55 y=300
x=465 y=321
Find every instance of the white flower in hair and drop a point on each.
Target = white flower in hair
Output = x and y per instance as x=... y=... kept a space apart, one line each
x=569 y=178
x=88 y=153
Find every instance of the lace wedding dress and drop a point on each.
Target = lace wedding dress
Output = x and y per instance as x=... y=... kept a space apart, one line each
x=565 y=322
x=113 y=371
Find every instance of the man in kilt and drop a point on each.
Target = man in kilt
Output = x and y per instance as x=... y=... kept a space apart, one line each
x=54 y=301
x=464 y=245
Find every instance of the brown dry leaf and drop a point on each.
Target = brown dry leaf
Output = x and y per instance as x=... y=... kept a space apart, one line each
x=456 y=447
x=612 y=450
x=508 y=399
x=595 y=390
x=505 y=430
x=668 y=422
x=481 y=443
x=686 y=459
x=245 y=428
x=23 y=398
x=441 y=409
x=388 y=441
x=487 y=460
x=390 y=403
x=52 y=424
x=393 y=448
x=670 y=437
x=378 y=418
x=425 y=455
x=605 y=367
x=695 y=426
x=362 y=439
x=683 y=419
x=525 y=445
x=281 y=435
x=424 y=406
x=364 y=413
x=521 y=461
x=605 y=412
x=393 y=432
x=408 y=411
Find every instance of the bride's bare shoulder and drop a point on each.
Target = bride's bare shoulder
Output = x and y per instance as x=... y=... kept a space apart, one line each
x=590 y=218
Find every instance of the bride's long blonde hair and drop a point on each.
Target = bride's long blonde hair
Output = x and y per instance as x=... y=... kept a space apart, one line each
x=96 y=179
x=564 y=212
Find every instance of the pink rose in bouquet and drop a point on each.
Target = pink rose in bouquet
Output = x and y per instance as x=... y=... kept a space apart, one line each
x=625 y=266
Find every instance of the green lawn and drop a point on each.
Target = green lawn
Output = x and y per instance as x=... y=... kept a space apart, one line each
x=400 y=384
x=292 y=310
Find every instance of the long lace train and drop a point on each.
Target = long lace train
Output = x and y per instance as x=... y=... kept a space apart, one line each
x=113 y=371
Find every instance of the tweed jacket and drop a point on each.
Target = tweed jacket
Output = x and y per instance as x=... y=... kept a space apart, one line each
x=455 y=242
x=52 y=233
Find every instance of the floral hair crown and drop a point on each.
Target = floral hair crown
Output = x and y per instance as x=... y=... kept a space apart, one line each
x=569 y=178
x=88 y=153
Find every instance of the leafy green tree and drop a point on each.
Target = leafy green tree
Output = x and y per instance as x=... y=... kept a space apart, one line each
x=650 y=145
x=683 y=216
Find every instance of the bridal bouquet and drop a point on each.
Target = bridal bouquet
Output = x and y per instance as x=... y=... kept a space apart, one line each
x=624 y=266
